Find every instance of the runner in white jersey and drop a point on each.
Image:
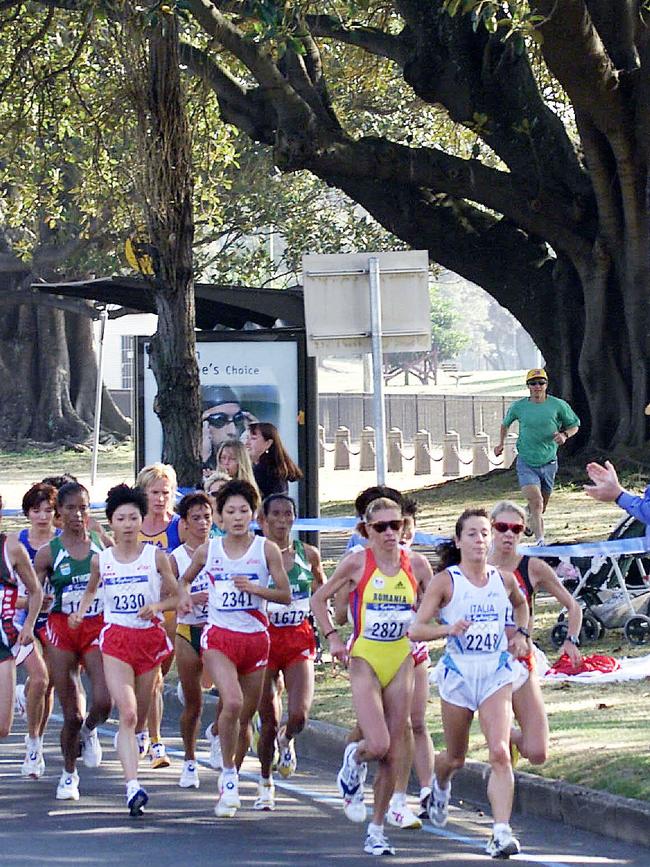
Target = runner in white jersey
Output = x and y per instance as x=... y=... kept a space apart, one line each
x=235 y=641
x=472 y=601
x=195 y=512
x=137 y=586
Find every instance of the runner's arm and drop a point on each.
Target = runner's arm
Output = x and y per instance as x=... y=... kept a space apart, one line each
x=23 y=566
x=198 y=562
x=519 y=643
x=346 y=573
x=318 y=575
x=545 y=577
x=281 y=593
x=436 y=596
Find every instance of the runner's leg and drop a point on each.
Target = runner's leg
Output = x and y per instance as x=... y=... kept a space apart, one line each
x=7 y=694
x=456 y=723
x=188 y=664
x=532 y=738
x=270 y=720
x=495 y=716
x=299 y=681
x=224 y=674
x=65 y=665
x=251 y=690
x=35 y=693
x=100 y=707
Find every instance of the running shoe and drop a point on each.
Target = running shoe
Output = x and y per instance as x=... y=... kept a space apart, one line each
x=399 y=815
x=425 y=798
x=179 y=693
x=228 y=802
x=265 y=797
x=216 y=759
x=502 y=844
x=144 y=743
x=189 y=775
x=350 y=780
x=91 y=749
x=136 y=799
x=68 y=787
x=158 y=756
x=34 y=763
x=377 y=844
x=20 y=701
x=287 y=751
x=439 y=805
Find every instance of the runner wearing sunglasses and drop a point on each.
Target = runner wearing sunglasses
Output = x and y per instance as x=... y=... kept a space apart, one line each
x=382 y=580
x=472 y=601
x=532 y=574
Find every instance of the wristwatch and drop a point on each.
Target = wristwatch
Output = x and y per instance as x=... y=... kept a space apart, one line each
x=523 y=631
x=573 y=639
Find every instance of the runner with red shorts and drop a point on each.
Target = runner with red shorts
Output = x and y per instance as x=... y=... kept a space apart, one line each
x=137 y=585
x=65 y=563
x=292 y=650
x=235 y=641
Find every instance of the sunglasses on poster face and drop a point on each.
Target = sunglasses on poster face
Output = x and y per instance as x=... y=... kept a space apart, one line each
x=503 y=527
x=381 y=526
x=221 y=419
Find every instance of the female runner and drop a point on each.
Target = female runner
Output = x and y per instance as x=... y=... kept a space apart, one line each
x=160 y=527
x=383 y=580
x=292 y=650
x=533 y=574
x=472 y=600
x=235 y=641
x=196 y=518
x=65 y=563
x=137 y=585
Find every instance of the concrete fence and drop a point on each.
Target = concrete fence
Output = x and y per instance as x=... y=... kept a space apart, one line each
x=421 y=455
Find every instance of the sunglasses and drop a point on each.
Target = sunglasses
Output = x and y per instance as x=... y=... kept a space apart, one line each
x=221 y=419
x=503 y=527
x=382 y=526
x=537 y=382
x=214 y=494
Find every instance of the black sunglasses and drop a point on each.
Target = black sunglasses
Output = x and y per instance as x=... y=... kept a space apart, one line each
x=382 y=526
x=221 y=419
x=536 y=382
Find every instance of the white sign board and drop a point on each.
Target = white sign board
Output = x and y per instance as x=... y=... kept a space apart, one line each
x=337 y=302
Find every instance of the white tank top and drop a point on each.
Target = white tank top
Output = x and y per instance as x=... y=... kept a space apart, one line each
x=228 y=607
x=198 y=616
x=487 y=609
x=129 y=586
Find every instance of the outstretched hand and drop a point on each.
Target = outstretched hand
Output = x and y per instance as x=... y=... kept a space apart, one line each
x=606 y=486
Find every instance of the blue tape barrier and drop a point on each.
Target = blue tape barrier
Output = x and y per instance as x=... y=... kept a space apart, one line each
x=613 y=548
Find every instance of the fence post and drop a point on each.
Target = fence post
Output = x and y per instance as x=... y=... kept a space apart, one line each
x=480 y=454
x=450 y=452
x=422 y=443
x=509 y=450
x=341 y=453
x=367 y=449
x=321 y=446
x=394 y=454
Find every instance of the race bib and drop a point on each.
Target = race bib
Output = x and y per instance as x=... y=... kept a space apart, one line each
x=385 y=621
x=127 y=603
x=200 y=611
x=482 y=636
x=289 y=615
x=71 y=599
x=229 y=598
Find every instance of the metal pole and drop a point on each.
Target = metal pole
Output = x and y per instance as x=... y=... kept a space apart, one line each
x=377 y=369
x=103 y=319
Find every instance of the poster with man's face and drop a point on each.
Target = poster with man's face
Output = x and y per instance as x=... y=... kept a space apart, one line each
x=241 y=382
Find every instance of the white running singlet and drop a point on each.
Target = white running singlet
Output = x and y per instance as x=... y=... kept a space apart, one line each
x=198 y=616
x=127 y=587
x=237 y=610
x=485 y=607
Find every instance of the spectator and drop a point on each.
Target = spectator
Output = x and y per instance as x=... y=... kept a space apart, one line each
x=272 y=466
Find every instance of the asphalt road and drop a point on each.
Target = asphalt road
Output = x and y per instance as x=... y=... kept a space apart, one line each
x=180 y=829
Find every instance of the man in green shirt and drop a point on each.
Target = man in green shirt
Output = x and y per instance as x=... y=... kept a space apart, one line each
x=545 y=422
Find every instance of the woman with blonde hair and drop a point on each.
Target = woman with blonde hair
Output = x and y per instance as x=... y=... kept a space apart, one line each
x=233 y=458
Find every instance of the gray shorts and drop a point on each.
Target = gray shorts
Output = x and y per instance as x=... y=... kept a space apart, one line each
x=543 y=477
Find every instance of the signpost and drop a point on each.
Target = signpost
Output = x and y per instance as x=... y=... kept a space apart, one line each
x=368 y=302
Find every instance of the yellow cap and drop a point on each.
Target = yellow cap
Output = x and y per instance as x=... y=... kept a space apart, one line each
x=536 y=373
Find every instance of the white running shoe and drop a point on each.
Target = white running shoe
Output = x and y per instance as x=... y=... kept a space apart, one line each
x=425 y=798
x=287 y=762
x=179 y=693
x=136 y=799
x=91 y=749
x=144 y=743
x=158 y=756
x=189 y=775
x=216 y=759
x=350 y=780
x=228 y=802
x=377 y=844
x=399 y=815
x=20 y=701
x=439 y=805
x=265 y=797
x=68 y=787
x=502 y=844
x=34 y=763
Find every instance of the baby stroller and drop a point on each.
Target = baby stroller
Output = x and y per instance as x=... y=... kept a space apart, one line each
x=613 y=588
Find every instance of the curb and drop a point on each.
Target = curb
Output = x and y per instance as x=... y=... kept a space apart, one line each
x=601 y=813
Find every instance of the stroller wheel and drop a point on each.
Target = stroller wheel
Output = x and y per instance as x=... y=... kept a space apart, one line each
x=637 y=629
x=559 y=634
x=591 y=629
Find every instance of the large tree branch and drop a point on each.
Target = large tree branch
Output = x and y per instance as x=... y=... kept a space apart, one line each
x=371 y=39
